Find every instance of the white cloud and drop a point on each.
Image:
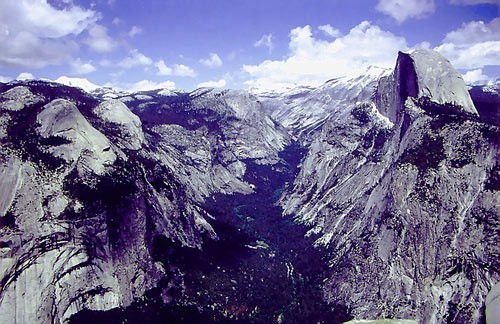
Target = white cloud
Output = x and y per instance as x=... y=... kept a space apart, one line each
x=79 y=67
x=474 y=45
x=476 y=77
x=135 y=59
x=474 y=32
x=212 y=84
x=146 y=85
x=313 y=61
x=184 y=70
x=330 y=31
x=34 y=34
x=163 y=69
x=116 y=21
x=177 y=70
x=265 y=41
x=402 y=10
x=134 y=31
x=5 y=79
x=212 y=62
x=99 y=40
x=40 y=17
x=25 y=76
x=472 y=56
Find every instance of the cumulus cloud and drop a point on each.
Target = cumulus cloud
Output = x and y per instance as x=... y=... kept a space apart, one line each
x=402 y=10
x=475 y=32
x=5 y=79
x=39 y=17
x=472 y=57
x=212 y=84
x=25 y=76
x=475 y=77
x=330 y=31
x=38 y=33
x=474 y=45
x=135 y=59
x=212 y=61
x=79 y=67
x=176 y=70
x=265 y=41
x=184 y=70
x=99 y=40
x=313 y=61
x=34 y=34
x=163 y=69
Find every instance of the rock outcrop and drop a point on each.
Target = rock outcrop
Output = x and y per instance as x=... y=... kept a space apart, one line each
x=163 y=203
x=429 y=80
x=407 y=208
x=87 y=189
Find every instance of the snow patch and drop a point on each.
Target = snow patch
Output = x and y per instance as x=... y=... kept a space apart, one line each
x=78 y=82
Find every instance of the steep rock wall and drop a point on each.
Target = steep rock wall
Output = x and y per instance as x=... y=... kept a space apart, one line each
x=408 y=210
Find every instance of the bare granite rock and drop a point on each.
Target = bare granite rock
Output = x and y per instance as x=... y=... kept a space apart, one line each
x=408 y=210
x=86 y=189
x=110 y=197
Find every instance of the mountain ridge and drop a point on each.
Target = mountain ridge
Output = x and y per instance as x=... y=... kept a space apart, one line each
x=199 y=203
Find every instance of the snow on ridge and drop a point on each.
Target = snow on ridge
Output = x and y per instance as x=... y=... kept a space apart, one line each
x=78 y=82
x=372 y=72
x=304 y=108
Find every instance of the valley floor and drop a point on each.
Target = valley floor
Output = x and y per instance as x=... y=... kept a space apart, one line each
x=261 y=270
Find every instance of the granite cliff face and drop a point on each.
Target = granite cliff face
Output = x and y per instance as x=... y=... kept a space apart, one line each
x=88 y=188
x=303 y=110
x=404 y=193
x=367 y=198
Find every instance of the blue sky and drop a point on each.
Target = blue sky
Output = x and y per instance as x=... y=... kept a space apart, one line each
x=185 y=44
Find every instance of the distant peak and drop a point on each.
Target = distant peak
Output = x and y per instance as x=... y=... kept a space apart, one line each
x=377 y=70
x=78 y=82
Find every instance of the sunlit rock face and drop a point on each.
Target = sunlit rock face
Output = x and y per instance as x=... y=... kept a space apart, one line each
x=87 y=187
x=115 y=114
x=404 y=193
x=303 y=110
x=366 y=199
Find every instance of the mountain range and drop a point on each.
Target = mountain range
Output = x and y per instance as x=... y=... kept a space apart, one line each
x=373 y=197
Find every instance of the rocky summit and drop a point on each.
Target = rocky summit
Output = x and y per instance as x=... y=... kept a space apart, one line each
x=367 y=198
